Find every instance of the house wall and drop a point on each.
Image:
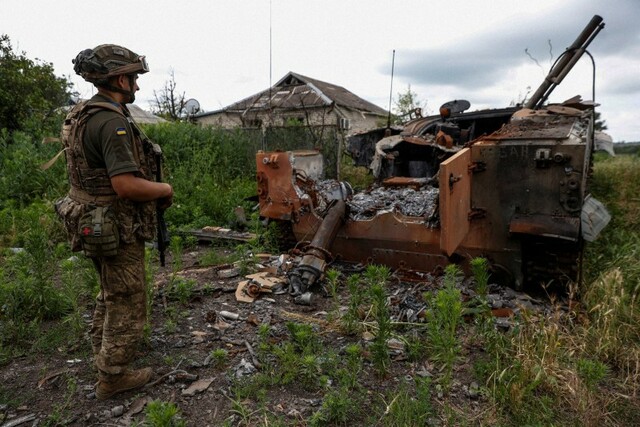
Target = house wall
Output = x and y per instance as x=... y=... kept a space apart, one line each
x=223 y=120
x=358 y=121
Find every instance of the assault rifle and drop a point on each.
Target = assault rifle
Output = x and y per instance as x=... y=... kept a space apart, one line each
x=163 y=233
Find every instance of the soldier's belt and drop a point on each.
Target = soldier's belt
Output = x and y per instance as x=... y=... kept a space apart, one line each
x=82 y=196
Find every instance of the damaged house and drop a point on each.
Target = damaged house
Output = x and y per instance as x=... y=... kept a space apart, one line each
x=297 y=99
x=300 y=113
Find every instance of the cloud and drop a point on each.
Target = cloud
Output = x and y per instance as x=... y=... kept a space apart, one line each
x=508 y=59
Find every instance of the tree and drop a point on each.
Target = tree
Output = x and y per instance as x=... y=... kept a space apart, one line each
x=408 y=106
x=169 y=104
x=30 y=94
x=599 y=123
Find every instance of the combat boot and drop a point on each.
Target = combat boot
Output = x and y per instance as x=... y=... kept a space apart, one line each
x=130 y=380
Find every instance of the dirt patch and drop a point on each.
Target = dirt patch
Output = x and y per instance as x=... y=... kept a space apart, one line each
x=58 y=388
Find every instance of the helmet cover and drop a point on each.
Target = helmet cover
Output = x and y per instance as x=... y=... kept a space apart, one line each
x=107 y=60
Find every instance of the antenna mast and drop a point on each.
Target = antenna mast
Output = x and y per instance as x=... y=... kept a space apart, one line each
x=270 y=57
x=393 y=61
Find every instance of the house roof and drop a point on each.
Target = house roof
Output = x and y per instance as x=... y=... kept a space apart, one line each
x=142 y=116
x=297 y=91
x=139 y=115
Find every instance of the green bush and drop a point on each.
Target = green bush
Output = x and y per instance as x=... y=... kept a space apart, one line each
x=22 y=181
x=212 y=171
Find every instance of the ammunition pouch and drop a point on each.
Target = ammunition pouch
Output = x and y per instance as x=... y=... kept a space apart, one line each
x=98 y=231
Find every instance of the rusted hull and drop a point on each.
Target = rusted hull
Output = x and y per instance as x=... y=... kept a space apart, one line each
x=509 y=185
x=405 y=243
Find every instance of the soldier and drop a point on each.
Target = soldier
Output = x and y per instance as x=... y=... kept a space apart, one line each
x=109 y=211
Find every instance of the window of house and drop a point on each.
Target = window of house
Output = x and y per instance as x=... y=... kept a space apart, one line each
x=253 y=123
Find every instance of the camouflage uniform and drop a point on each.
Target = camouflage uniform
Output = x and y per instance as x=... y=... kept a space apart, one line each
x=102 y=141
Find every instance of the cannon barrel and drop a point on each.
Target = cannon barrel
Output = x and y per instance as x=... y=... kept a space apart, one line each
x=565 y=63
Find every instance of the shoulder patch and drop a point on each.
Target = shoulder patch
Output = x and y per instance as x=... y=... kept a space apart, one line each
x=121 y=131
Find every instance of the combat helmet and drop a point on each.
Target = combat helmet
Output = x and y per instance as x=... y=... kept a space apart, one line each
x=107 y=60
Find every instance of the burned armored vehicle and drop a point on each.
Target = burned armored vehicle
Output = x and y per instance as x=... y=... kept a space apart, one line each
x=510 y=185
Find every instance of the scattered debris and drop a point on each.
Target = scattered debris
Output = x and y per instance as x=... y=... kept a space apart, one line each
x=117 y=411
x=221 y=325
x=258 y=284
x=304 y=299
x=244 y=369
x=241 y=293
x=254 y=358
x=210 y=234
x=229 y=315
x=197 y=387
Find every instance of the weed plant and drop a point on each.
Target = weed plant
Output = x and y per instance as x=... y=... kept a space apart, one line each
x=591 y=372
x=215 y=255
x=300 y=359
x=22 y=182
x=163 y=414
x=28 y=292
x=416 y=345
x=177 y=250
x=404 y=408
x=351 y=321
x=480 y=270
x=349 y=375
x=181 y=289
x=443 y=319
x=79 y=285
x=339 y=407
x=264 y=331
x=60 y=414
x=332 y=280
x=379 y=347
x=219 y=357
x=246 y=258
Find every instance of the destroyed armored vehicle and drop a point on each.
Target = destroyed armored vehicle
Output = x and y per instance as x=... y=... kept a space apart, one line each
x=510 y=185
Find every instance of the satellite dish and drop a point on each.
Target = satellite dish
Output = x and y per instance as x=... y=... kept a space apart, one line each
x=191 y=106
x=456 y=106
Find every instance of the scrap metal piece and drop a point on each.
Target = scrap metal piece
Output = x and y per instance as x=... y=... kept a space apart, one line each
x=241 y=293
x=594 y=218
x=316 y=254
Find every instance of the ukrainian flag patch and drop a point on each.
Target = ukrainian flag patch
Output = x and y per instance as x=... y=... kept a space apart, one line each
x=121 y=131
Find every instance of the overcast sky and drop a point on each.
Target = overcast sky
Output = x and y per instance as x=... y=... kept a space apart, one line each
x=222 y=51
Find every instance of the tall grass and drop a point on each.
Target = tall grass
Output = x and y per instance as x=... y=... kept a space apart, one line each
x=581 y=367
x=612 y=286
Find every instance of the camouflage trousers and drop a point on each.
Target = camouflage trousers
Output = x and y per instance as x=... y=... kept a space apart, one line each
x=120 y=313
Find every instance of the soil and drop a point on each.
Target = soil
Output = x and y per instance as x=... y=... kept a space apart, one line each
x=179 y=353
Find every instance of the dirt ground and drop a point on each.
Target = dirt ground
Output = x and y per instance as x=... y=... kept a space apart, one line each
x=60 y=387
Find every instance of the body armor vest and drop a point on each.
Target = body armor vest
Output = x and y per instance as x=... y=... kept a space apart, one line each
x=91 y=187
